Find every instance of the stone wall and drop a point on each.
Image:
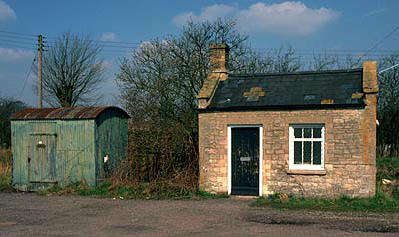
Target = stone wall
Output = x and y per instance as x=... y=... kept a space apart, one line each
x=349 y=156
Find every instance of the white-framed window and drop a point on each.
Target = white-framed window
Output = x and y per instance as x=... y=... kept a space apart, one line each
x=306 y=146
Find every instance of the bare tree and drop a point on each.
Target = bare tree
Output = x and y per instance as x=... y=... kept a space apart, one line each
x=388 y=107
x=280 y=60
x=71 y=71
x=158 y=85
x=167 y=74
x=323 y=61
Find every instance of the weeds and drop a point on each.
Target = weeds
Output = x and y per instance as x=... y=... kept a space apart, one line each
x=379 y=203
x=5 y=169
x=207 y=195
x=388 y=168
x=385 y=200
x=156 y=190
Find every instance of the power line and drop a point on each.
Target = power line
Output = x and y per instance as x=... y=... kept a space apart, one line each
x=51 y=44
x=16 y=37
x=322 y=51
x=386 y=69
x=325 y=49
x=117 y=42
x=124 y=50
x=27 y=76
x=15 y=33
x=33 y=37
x=16 y=42
x=15 y=46
x=382 y=40
x=102 y=41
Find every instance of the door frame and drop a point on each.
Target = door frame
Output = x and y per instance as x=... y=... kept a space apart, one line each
x=229 y=127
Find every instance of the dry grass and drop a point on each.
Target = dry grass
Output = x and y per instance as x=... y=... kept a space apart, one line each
x=5 y=169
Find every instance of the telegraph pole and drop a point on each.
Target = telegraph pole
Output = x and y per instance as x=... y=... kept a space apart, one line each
x=39 y=71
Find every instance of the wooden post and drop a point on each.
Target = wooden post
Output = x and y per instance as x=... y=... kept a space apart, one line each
x=39 y=71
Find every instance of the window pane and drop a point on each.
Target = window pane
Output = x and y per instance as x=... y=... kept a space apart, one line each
x=298 y=132
x=307 y=132
x=317 y=153
x=317 y=132
x=297 y=152
x=307 y=147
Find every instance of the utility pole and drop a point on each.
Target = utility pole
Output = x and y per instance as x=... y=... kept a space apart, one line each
x=39 y=71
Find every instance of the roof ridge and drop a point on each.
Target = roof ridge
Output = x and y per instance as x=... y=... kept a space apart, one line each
x=80 y=112
x=295 y=73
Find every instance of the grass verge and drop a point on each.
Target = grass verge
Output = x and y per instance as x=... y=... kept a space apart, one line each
x=379 y=203
x=385 y=200
x=153 y=191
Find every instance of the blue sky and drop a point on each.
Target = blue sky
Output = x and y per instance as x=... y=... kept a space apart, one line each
x=305 y=25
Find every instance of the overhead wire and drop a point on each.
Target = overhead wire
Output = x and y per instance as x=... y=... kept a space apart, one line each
x=14 y=41
x=16 y=46
x=16 y=33
x=27 y=75
x=389 y=68
x=19 y=40
x=382 y=40
x=16 y=37
x=104 y=41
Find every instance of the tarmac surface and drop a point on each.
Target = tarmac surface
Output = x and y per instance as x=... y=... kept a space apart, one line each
x=28 y=214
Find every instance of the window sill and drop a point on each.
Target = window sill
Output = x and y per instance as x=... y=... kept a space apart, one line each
x=307 y=172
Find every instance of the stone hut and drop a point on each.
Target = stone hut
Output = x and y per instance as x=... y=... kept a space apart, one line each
x=302 y=133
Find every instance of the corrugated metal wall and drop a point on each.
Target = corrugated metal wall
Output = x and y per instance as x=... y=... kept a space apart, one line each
x=111 y=140
x=75 y=151
x=67 y=150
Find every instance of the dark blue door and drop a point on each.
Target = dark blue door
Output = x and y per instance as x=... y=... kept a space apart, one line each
x=245 y=161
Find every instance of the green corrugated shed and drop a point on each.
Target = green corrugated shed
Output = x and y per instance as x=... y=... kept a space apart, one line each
x=64 y=145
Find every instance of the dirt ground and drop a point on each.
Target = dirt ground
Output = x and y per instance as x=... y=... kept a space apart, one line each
x=27 y=214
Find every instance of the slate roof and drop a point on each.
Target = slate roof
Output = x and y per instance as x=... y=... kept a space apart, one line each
x=290 y=90
x=64 y=113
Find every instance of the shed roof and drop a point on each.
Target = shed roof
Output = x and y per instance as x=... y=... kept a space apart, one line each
x=336 y=88
x=64 y=113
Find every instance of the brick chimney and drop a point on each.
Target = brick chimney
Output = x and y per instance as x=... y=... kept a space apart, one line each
x=370 y=82
x=219 y=56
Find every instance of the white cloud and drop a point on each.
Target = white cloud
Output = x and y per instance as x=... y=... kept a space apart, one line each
x=6 y=12
x=107 y=64
x=207 y=14
x=7 y=54
x=108 y=36
x=286 y=18
x=375 y=12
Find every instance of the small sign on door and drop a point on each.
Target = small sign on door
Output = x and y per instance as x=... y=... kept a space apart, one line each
x=245 y=158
